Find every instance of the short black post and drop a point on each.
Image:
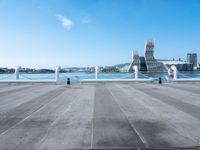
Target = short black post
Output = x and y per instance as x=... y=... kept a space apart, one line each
x=160 y=80
x=68 y=81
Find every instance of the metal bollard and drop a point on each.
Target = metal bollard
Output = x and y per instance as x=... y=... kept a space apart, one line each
x=68 y=81
x=160 y=80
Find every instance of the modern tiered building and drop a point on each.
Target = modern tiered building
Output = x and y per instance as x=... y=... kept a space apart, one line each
x=148 y=62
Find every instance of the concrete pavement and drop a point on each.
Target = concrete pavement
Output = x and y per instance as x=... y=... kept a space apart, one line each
x=99 y=116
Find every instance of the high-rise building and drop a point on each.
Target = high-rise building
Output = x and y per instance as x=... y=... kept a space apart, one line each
x=192 y=59
x=148 y=62
x=135 y=60
x=151 y=63
x=143 y=65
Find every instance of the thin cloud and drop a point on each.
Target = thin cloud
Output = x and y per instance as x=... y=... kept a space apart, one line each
x=66 y=23
x=86 y=19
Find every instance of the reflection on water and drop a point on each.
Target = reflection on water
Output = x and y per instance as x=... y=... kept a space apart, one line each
x=77 y=76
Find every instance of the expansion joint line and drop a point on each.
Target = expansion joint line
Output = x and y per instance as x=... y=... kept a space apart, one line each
x=92 y=134
x=140 y=135
x=35 y=111
x=56 y=120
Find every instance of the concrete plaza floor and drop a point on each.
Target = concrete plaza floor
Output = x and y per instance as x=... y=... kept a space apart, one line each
x=99 y=116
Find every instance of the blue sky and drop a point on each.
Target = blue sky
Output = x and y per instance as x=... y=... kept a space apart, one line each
x=47 y=33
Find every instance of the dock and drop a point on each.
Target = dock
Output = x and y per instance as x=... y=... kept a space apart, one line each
x=46 y=116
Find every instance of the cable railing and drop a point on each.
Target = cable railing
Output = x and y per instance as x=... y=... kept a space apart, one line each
x=177 y=76
x=143 y=75
x=24 y=76
x=183 y=75
x=21 y=77
x=6 y=77
x=98 y=76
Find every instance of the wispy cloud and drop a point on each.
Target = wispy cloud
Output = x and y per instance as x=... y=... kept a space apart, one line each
x=85 y=19
x=67 y=23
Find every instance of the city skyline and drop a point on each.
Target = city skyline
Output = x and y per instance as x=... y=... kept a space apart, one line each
x=39 y=34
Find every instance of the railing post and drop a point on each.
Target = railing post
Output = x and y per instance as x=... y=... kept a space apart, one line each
x=135 y=68
x=175 y=71
x=96 y=72
x=17 y=69
x=57 y=73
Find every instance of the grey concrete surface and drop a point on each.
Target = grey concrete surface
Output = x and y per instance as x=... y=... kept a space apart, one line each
x=99 y=116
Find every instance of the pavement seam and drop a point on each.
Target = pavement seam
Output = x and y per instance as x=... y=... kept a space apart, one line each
x=189 y=91
x=161 y=118
x=144 y=141
x=172 y=102
x=24 y=98
x=75 y=99
x=17 y=90
x=12 y=127
x=56 y=120
x=92 y=134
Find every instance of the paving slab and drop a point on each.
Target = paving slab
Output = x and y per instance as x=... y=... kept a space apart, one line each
x=73 y=128
x=111 y=128
x=142 y=111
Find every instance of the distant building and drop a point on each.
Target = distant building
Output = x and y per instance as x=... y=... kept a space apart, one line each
x=148 y=62
x=198 y=67
x=180 y=65
x=143 y=65
x=135 y=60
x=151 y=62
x=192 y=59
